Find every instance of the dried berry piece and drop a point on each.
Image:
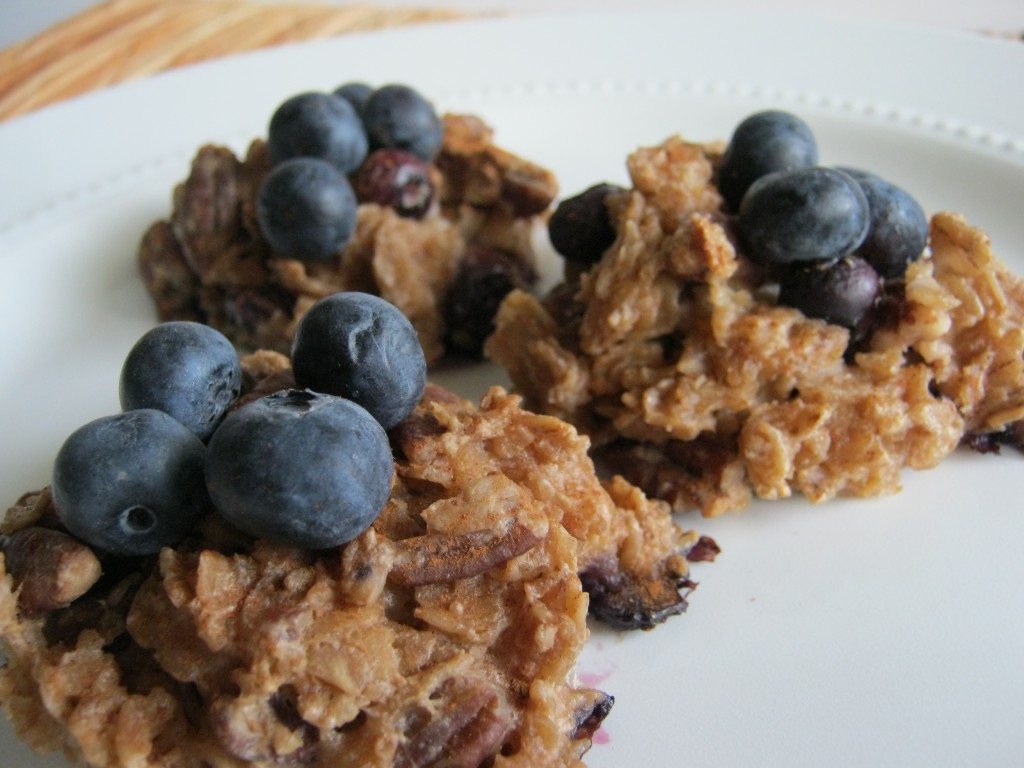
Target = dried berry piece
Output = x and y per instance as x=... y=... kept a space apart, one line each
x=483 y=281
x=395 y=179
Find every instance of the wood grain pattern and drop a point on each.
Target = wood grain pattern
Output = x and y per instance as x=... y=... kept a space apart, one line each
x=122 y=40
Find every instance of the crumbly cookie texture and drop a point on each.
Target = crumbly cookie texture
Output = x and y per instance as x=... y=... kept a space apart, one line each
x=672 y=354
x=209 y=261
x=446 y=634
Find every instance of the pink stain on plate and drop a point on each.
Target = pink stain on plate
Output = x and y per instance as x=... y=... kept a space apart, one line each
x=594 y=679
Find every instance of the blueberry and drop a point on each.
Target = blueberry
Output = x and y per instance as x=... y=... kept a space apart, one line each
x=306 y=209
x=318 y=125
x=300 y=468
x=898 y=231
x=187 y=370
x=398 y=116
x=803 y=215
x=580 y=228
x=395 y=179
x=356 y=94
x=132 y=483
x=483 y=280
x=360 y=347
x=764 y=143
x=842 y=291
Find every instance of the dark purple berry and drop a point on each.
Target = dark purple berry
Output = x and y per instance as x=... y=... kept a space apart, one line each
x=580 y=228
x=485 y=278
x=132 y=483
x=188 y=370
x=300 y=468
x=318 y=125
x=395 y=179
x=808 y=214
x=398 y=116
x=307 y=209
x=764 y=143
x=362 y=348
x=841 y=292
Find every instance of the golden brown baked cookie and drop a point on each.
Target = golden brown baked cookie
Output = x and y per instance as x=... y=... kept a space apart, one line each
x=674 y=356
x=446 y=634
x=210 y=262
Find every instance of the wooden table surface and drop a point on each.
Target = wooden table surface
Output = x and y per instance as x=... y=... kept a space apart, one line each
x=122 y=40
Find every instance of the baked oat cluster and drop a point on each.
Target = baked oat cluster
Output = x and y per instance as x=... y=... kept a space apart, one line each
x=442 y=227
x=443 y=634
x=674 y=348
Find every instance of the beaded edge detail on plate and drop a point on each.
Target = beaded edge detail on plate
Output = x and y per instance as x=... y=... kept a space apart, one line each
x=974 y=137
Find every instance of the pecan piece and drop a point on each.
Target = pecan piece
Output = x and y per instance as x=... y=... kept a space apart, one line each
x=52 y=568
x=435 y=558
x=254 y=728
x=469 y=726
x=207 y=213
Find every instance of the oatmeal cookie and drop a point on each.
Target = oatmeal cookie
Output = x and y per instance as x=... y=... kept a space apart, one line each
x=444 y=634
x=673 y=354
x=209 y=261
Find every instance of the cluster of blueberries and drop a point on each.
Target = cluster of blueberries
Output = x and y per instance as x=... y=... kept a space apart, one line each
x=309 y=467
x=332 y=151
x=830 y=236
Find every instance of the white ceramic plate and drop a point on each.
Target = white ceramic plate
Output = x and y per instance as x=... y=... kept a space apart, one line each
x=885 y=632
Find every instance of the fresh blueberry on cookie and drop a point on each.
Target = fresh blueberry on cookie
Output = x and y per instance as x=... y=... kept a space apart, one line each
x=300 y=468
x=358 y=346
x=355 y=93
x=840 y=291
x=186 y=369
x=319 y=125
x=580 y=228
x=307 y=209
x=898 y=231
x=399 y=116
x=763 y=143
x=808 y=214
x=131 y=483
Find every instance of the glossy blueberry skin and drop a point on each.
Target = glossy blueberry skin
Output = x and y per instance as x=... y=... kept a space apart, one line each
x=188 y=370
x=807 y=214
x=132 y=483
x=580 y=228
x=356 y=94
x=399 y=116
x=300 y=468
x=764 y=143
x=360 y=347
x=306 y=209
x=898 y=231
x=841 y=292
x=319 y=125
